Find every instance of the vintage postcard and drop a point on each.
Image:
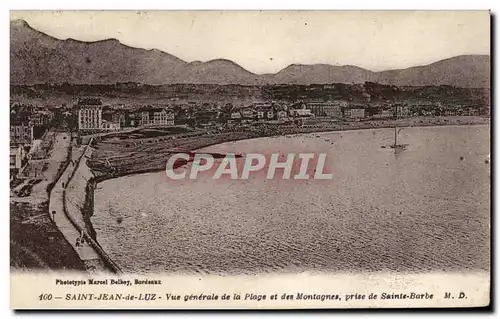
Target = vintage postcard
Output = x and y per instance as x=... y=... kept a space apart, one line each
x=249 y=159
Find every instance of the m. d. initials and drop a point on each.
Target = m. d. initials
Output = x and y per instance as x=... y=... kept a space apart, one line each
x=461 y=295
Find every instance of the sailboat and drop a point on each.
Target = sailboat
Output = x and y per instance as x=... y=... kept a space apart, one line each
x=397 y=146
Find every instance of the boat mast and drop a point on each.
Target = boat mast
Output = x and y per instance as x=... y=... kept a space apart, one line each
x=395 y=135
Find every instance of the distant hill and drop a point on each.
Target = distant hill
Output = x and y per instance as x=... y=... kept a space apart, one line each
x=216 y=72
x=322 y=73
x=39 y=58
x=459 y=71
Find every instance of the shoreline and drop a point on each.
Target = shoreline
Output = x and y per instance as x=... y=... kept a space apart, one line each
x=306 y=130
x=91 y=183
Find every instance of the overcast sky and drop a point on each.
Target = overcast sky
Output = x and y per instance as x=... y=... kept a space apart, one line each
x=265 y=42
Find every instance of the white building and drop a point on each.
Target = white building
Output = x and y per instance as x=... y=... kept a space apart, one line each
x=110 y=126
x=329 y=109
x=235 y=115
x=21 y=134
x=300 y=113
x=282 y=115
x=17 y=157
x=163 y=117
x=156 y=117
x=89 y=114
x=354 y=113
x=401 y=111
x=41 y=118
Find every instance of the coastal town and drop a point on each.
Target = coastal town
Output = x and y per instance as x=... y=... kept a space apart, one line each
x=180 y=151
x=91 y=115
x=48 y=141
x=105 y=114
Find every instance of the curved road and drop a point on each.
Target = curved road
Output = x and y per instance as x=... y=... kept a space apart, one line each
x=87 y=254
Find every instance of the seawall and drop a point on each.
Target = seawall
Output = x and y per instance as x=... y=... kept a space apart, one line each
x=78 y=197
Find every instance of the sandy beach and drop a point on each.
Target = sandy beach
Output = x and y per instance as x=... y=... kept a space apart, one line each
x=125 y=154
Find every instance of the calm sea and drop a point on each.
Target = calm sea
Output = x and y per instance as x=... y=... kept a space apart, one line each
x=424 y=209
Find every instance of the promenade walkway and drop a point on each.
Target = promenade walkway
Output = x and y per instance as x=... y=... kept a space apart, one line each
x=56 y=208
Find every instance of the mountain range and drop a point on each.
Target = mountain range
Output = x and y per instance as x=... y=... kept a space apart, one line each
x=36 y=57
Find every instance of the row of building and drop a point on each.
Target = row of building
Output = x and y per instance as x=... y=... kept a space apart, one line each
x=92 y=115
x=27 y=123
x=21 y=138
x=344 y=110
x=334 y=110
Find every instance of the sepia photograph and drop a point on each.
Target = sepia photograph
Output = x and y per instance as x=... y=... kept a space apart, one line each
x=243 y=159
